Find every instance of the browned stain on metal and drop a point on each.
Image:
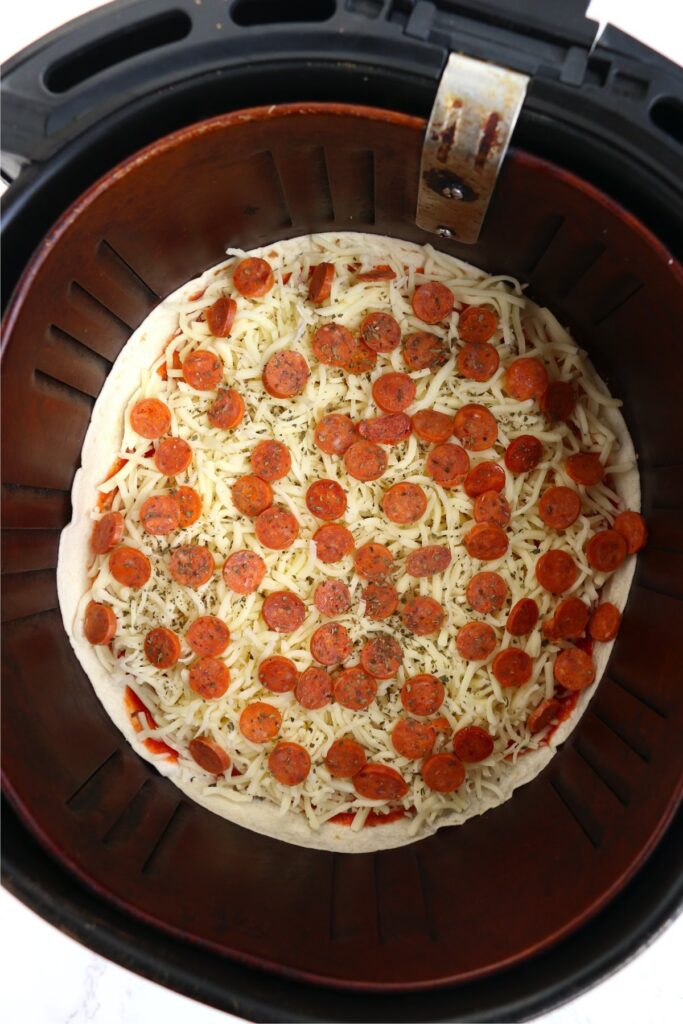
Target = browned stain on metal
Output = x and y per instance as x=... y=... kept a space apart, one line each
x=447 y=134
x=488 y=139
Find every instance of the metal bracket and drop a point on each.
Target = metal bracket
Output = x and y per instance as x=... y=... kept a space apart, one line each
x=474 y=114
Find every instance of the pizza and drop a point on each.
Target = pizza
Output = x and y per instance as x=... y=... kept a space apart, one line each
x=351 y=539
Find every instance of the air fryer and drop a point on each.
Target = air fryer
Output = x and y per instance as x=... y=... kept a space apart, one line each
x=142 y=142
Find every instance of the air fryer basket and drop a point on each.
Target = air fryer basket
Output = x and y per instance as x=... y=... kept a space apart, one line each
x=466 y=901
x=88 y=96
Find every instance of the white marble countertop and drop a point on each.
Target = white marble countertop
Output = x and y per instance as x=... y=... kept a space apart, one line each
x=50 y=979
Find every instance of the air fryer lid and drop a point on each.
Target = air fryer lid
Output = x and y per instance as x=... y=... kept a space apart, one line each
x=563 y=846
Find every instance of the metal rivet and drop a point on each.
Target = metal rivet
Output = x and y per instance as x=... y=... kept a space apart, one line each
x=444 y=232
x=452 y=192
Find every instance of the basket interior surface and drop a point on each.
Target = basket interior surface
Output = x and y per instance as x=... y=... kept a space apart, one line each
x=467 y=900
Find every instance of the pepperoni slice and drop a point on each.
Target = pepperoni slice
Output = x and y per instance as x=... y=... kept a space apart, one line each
x=381 y=601
x=335 y=434
x=373 y=561
x=320 y=284
x=278 y=674
x=276 y=528
x=208 y=636
x=477 y=324
x=429 y=560
x=525 y=378
x=173 y=456
x=604 y=622
x=129 y=567
x=485 y=476
x=391 y=429
x=289 y=763
x=190 y=505
x=202 y=370
x=432 y=302
x=404 y=503
x=162 y=647
x=472 y=744
x=475 y=427
x=492 y=507
x=107 y=532
x=209 y=755
x=191 y=565
x=559 y=507
x=331 y=643
x=260 y=722
x=413 y=739
x=381 y=656
x=326 y=500
x=434 y=427
x=251 y=495
x=512 y=667
x=283 y=611
x=486 y=542
x=476 y=641
x=333 y=542
x=227 y=409
x=606 y=550
x=382 y=272
x=558 y=401
x=160 y=514
x=332 y=598
x=333 y=344
x=556 y=571
x=631 y=526
x=379 y=782
x=574 y=669
x=209 y=678
x=285 y=374
x=221 y=316
x=569 y=621
x=477 y=361
x=150 y=418
x=345 y=758
x=422 y=695
x=253 y=277
x=523 y=454
x=314 y=688
x=444 y=773
x=523 y=617
x=425 y=351
x=447 y=464
x=354 y=688
x=99 y=623
x=585 y=468
x=365 y=461
x=271 y=460
x=361 y=360
x=486 y=592
x=380 y=332
x=243 y=572
x=394 y=392
x=423 y=616
x=541 y=717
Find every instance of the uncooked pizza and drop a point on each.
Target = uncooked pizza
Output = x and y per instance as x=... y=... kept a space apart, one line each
x=351 y=539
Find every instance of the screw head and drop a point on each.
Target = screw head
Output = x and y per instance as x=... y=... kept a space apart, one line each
x=452 y=192
x=444 y=232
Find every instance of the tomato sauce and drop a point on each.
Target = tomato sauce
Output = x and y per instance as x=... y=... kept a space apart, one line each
x=105 y=499
x=373 y=818
x=135 y=707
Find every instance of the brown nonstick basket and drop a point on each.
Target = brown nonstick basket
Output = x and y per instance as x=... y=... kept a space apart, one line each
x=467 y=901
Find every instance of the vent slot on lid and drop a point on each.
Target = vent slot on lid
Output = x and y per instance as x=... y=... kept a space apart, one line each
x=169 y=27
x=276 y=12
